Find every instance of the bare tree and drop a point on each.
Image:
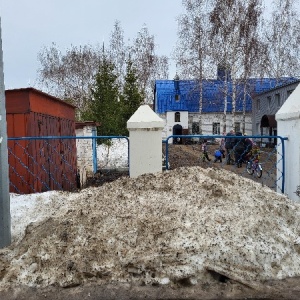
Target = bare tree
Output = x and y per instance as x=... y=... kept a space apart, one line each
x=161 y=67
x=193 y=47
x=69 y=76
x=282 y=36
x=117 y=52
x=252 y=46
x=236 y=44
x=149 y=66
x=225 y=43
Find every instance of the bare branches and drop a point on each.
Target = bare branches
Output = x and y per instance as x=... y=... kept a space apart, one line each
x=192 y=49
x=71 y=75
x=221 y=34
x=149 y=66
x=282 y=36
x=117 y=52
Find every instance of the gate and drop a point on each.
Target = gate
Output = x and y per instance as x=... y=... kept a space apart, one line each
x=272 y=156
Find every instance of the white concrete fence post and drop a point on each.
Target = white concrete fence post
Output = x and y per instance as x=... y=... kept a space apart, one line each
x=288 y=125
x=145 y=142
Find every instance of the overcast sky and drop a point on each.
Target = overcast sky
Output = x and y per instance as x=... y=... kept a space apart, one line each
x=29 y=25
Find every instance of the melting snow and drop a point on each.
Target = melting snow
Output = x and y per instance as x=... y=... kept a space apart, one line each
x=161 y=229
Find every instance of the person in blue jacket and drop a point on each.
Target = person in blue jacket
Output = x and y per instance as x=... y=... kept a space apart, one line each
x=218 y=155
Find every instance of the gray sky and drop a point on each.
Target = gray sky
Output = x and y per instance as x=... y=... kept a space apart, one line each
x=29 y=25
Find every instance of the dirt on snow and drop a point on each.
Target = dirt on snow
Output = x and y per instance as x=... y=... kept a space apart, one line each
x=188 y=233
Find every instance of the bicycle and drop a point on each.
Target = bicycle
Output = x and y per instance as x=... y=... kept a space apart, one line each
x=254 y=166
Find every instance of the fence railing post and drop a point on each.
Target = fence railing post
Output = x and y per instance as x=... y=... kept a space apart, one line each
x=94 y=142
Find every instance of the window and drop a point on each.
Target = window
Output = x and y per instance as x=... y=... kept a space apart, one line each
x=177 y=97
x=269 y=101
x=216 y=128
x=258 y=104
x=177 y=116
x=237 y=126
x=289 y=92
x=277 y=100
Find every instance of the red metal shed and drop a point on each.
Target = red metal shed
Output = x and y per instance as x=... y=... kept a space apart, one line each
x=40 y=165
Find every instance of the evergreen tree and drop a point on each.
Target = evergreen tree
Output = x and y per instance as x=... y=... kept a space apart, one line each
x=131 y=98
x=104 y=106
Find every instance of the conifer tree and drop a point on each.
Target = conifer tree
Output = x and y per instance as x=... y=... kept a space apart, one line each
x=131 y=98
x=104 y=106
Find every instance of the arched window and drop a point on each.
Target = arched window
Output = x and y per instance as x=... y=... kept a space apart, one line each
x=177 y=116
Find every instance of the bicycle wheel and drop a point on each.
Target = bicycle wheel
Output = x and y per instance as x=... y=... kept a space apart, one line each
x=249 y=168
x=258 y=170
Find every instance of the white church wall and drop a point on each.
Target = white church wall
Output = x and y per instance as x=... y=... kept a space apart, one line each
x=187 y=120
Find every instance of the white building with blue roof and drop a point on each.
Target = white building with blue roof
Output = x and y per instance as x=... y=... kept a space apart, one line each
x=178 y=103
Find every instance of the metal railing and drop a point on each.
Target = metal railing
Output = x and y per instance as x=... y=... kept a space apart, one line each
x=39 y=164
x=185 y=150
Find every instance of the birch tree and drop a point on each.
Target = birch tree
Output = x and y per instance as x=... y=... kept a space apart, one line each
x=69 y=75
x=252 y=46
x=234 y=39
x=225 y=18
x=282 y=36
x=118 y=52
x=193 y=47
x=148 y=64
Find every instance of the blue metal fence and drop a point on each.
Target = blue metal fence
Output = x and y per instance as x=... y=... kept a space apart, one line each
x=272 y=158
x=38 y=164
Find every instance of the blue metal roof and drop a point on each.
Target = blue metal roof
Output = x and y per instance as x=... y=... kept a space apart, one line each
x=214 y=92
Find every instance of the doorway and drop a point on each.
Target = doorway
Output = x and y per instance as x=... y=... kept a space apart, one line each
x=177 y=130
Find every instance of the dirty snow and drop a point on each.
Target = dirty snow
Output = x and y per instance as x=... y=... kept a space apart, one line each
x=158 y=229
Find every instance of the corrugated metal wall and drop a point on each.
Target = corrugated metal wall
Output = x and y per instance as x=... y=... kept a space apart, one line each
x=31 y=113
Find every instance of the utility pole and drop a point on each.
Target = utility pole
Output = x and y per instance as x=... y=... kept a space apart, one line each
x=5 y=221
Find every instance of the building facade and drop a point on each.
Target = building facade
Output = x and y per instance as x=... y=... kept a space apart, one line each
x=222 y=104
x=265 y=105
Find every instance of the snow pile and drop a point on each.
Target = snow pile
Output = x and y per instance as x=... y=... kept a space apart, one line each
x=176 y=227
x=33 y=208
x=114 y=155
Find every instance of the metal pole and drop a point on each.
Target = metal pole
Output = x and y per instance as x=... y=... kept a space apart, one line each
x=5 y=222
x=94 y=145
